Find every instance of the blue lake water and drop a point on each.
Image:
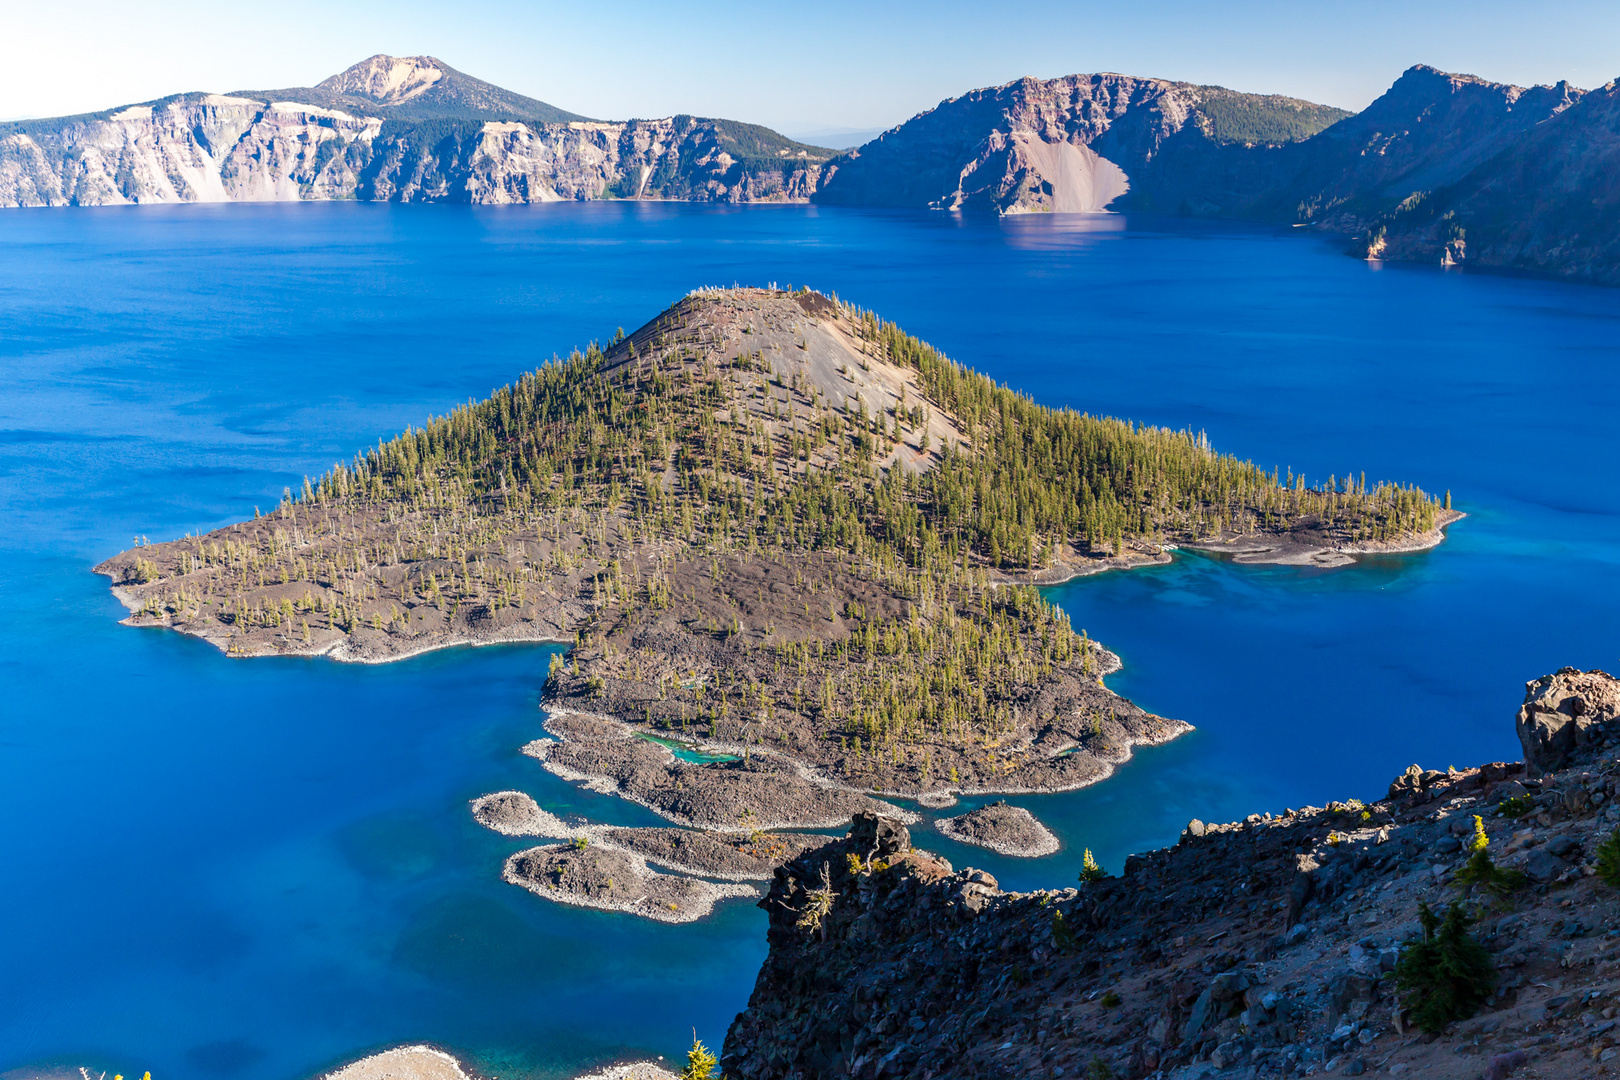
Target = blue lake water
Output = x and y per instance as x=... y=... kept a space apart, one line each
x=259 y=869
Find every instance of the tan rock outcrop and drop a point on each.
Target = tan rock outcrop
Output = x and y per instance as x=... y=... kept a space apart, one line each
x=1563 y=711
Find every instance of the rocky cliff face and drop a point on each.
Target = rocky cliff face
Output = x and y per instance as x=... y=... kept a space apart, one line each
x=1262 y=948
x=391 y=129
x=1071 y=144
x=1547 y=201
x=200 y=148
x=1429 y=129
x=1442 y=168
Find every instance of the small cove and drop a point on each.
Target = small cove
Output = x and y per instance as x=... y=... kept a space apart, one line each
x=685 y=751
x=259 y=869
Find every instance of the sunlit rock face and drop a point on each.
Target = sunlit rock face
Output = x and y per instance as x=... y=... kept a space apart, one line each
x=408 y=129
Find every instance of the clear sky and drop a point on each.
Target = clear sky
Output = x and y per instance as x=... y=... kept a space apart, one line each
x=795 y=66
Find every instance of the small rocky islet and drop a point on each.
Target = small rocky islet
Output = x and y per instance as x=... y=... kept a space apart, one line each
x=1011 y=830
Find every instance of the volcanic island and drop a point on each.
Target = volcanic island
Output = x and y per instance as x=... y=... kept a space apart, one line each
x=795 y=554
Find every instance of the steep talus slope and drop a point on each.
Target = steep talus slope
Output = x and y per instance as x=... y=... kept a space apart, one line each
x=984 y=150
x=393 y=129
x=1271 y=947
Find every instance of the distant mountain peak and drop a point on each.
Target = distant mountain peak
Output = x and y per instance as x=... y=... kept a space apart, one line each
x=387 y=80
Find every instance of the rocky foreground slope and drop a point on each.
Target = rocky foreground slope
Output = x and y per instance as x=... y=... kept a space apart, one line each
x=1263 y=948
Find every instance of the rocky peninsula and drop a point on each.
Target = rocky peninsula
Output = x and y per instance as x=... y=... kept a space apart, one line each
x=793 y=551
x=1288 y=944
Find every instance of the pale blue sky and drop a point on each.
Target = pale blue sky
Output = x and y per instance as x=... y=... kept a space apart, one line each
x=799 y=66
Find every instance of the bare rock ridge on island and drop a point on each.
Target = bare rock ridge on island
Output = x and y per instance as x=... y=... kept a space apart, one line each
x=793 y=549
x=1443 y=168
x=1270 y=947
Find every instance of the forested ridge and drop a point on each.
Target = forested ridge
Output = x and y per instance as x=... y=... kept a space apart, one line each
x=1028 y=479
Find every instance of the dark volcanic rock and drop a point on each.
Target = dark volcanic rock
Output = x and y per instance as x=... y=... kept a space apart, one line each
x=761 y=792
x=1259 y=948
x=612 y=879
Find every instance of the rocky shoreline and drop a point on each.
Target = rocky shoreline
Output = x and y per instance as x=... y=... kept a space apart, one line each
x=731 y=857
x=606 y=877
x=422 y=1062
x=1295 y=550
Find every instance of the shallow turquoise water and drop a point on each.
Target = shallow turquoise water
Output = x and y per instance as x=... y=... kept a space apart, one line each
x=685 y=752
x=256 y=869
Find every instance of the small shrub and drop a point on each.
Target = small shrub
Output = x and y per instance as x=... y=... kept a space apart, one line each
x=581 y=843
x=1099 y=1070
x=1089 y=870
x=1110 y=1000
x=1515 y=807
x=1608 y=860
x=818 y=904
x=1062 y=936
x=1479 y=872
x=1446 y=975
x=700 y=1062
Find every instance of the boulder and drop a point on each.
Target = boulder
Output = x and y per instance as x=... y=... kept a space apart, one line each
x=1415 y=782
x=882 y=837
x=1564 y=711
x=1543 y=866
x=1511 y=789
x=1228 y=985
x=1408 y=783
x=1561 y=845
x=1502 y=1065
